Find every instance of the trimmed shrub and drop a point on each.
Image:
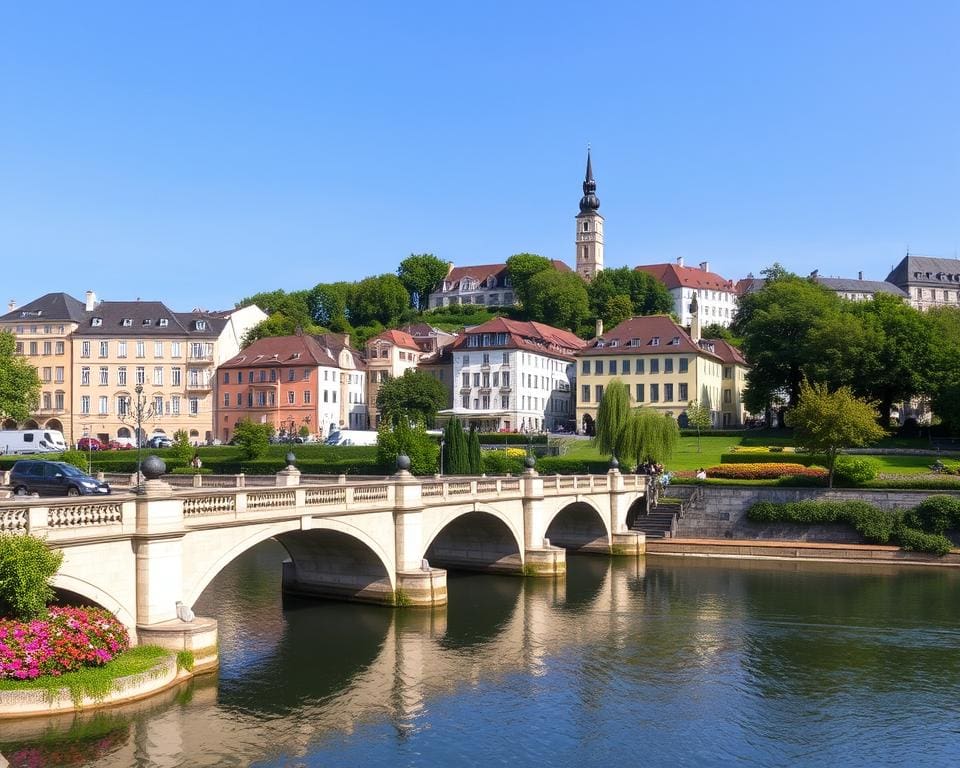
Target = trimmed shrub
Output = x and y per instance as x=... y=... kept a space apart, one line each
x=26 y=566
x=765 y=471
x=558 y=465
x=510 y=438
x=77 y=459
x=190 y=471
x=937 y=514
x=855 y=470
x=502 y=462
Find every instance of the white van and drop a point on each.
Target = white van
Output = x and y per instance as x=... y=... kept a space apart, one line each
x=352 y=437
x=31 y=441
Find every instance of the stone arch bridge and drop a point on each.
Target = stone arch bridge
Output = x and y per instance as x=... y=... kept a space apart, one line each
x=148 y=557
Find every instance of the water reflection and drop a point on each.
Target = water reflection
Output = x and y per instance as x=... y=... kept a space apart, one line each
x=701 y=662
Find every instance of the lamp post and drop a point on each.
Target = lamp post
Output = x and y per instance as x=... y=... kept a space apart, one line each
x=142 y=411
x=442 y=443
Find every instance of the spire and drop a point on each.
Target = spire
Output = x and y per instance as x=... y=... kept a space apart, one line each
x=589 y=203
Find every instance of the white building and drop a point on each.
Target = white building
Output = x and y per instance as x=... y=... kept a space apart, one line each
x=716 y=295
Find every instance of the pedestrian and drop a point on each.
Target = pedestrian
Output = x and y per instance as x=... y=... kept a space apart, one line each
x=195 y=461
x=701 y=474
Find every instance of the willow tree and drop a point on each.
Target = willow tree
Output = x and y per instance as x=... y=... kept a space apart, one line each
x=613 y=415
x=651 y=436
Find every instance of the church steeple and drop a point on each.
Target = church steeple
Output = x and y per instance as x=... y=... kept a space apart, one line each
x=589 y=228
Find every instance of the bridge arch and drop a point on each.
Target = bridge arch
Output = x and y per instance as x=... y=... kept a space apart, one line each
x=328 y=540
x=99 y=596
x=479 y=537
x=579 y=525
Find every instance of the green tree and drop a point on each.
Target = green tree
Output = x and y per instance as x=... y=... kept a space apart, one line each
x=380 y=299
x=327 y=303
x=27 y=565
x=473 y=451
x=456 y=452
x=416 y=395
x=253 y=438
x=400 y=437
x=826 y=422
x=558 y=299
x=420 y=274
x=616 y=309
x=521 y=267
x=698 y=417
x=651 y=436
x=648 y=296
x=19 y=382
x=613 y=413
x=181 y=448
x=717 y=331
x=278 y=324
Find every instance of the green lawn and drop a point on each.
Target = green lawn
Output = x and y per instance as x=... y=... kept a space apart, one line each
x=685 y=457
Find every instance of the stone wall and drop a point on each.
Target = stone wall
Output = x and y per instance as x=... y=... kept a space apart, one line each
x=718 y=512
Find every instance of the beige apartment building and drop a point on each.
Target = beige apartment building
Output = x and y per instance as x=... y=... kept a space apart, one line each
x=110 y=349
x=388 y=355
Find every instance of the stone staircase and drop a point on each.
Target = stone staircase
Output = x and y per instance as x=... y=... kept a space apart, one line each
x=661 y=521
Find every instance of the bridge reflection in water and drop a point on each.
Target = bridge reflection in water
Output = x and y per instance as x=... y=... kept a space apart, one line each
x=693 y=658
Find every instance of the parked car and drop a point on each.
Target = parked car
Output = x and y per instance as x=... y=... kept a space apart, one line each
x=159 y=441
x=89 y=444
x=119 y=445
x=53 y=478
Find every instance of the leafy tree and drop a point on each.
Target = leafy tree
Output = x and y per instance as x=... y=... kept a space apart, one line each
x=651 y=436
x=416 y=395
x=181 y=448
x=521 y=267
x=698 y=417
x=473 y=451
x=617 y=309
x=648 y=296
x=253 y=438
x=77 y=459
x=826 y=422
x=304 y=431
x=400 y=437
x=293 y=304
x=327 y=303
x=456 y=452
x=278 y=324
x=19 y=382
x=558 y=299
x=613 y=413
x=377 y=299
x=26 y=566
x=943 y=376
x=717 y=331
x=420 y=274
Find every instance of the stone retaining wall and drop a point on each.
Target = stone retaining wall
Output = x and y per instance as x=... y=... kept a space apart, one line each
x=721 y=511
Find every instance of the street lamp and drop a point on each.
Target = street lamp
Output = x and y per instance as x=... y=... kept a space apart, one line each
x=442 y=443
x=142 y=411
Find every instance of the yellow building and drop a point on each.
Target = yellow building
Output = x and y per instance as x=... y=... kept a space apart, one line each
x=96 y=354
x=665 y=368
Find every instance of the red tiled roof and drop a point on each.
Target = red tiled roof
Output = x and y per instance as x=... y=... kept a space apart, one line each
x=398 y=338
x=280 y=351
x=727 y=352
x=481 y=272
x=675 y=276
x=617 y=341
x=527 y=335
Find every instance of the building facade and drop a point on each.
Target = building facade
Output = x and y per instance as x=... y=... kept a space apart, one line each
x=928 y=281
x=665 y=368
x=110 y=349
x=487 y=284
x=845 y=287
x=717 y=296
x=388 y=355
x=589 y=235
x=514 y=376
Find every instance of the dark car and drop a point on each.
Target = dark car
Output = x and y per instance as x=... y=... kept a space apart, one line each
x=53 y=478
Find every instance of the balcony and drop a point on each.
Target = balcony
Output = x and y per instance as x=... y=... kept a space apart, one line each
x=202 y=359
x=506 y=388
x=49 y=411
x=199 y=386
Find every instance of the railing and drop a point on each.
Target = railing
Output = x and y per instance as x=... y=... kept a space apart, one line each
x=14 y=520
x=84 y=514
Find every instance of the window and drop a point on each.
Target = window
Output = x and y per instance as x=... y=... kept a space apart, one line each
x=122 y=376
x=655 y=341
x=585 y=393
x=33 y=347
x=306 y=374
x=639 y=393
x=46 y=401
x=585 y=366
x=85 y=376
x=147 y=322
x=162 y=322
x=121 y=349
x=624 y=366
x=668 y=365
x=654 y=393
x=96 y=322
x=175 y=349
x=226 y=377
x=654 y=365
x=104 y=374
x=684 y=362
x=59 y=374
x=175 y=380
x=201 y=326
x=505 y=401
x=104 y=349
x=638 y=366
x=292 y=374
x=48 y=347
x=141 y=375
x=123 y=405
x=226 y=399
x=47 y=375
x=158 y=349
x=476 y=379
x=727 y=396
x=485 y=402
x=126 y=322
x=85 y=349
x=668 y=393
x=158 y=404
x=306 y=397
x=291 y=397
x=239 y=400
x=466 y=379
x=612 y=367
x=104 y=407
x=598 y=392
x=727 y=372
x=85 y=404
x=684 y=395
x=141 y=349
x=194 y=406
x=158 y=376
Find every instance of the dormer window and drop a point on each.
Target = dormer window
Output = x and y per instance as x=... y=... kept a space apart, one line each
x=655 y=341
x=675 y=341
x=147 y=322
x=614 y=343
x=634 y=342
x=201 y=325
x=162 y=322
x=126 y=322
x=96 y=322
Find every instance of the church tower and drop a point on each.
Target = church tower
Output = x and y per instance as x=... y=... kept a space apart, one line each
x=589 y=228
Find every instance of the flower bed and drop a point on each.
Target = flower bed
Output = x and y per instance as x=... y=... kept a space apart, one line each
x=765 y=471
x=65 y=640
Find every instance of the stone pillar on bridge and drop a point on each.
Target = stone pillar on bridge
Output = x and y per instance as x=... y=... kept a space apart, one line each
x=622 y=540
x=539 y=557
x=162 y=619
x=418 y=583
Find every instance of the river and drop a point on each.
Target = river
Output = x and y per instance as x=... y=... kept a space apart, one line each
x=654 y=662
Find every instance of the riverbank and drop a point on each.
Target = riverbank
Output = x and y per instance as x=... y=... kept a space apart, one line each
x=752 y=549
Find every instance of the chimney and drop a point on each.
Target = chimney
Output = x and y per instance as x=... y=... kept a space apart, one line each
x=815 y=273
x=91 y=301
x=598 y=329
x=860 y=275
x=346 y=339
x=704 y=266
x=11 y=305
x=679 y=261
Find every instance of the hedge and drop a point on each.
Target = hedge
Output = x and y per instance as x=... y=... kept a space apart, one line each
x=872 y=523
x=494 y=439
x=559 y=465
x=776 y=457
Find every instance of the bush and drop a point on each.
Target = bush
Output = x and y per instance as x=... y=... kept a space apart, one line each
x=937 y=514
x=414 y=442
x=915 y=540
x=26 y=566
x=191 y=471
x=558 y=465
x=855 y=470
x=764 y=471
x=65 y=640
x=502 y=462
x=253 y=438
x=493 y=439
x=181 y=448
x=76 y=458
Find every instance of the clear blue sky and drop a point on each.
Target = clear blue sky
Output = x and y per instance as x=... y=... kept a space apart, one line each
x=198 y=152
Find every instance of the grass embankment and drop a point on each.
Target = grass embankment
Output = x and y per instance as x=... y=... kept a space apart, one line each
x=94 y=682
